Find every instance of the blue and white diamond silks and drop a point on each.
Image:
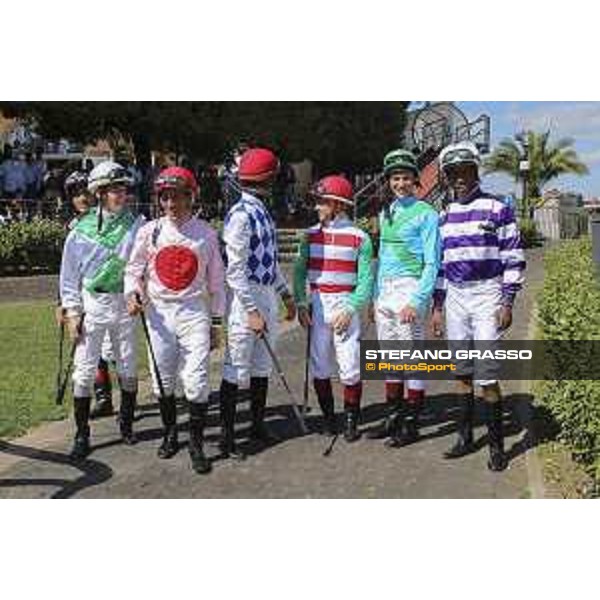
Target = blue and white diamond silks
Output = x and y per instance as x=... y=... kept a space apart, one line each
x=261 y=266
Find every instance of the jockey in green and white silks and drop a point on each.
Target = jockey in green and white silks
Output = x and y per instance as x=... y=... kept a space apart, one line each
x=406 y=273
x=91 y=284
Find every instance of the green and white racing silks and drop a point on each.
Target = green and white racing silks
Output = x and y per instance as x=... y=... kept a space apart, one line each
x=94 y=260
x=409 y=247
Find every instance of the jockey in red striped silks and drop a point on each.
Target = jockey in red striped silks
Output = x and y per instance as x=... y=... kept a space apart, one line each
x=335 y=261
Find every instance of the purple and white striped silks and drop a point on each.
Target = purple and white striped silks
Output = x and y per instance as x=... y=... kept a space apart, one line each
x=480 y=241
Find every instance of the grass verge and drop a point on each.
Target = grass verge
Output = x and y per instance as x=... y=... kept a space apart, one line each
x=28 y=366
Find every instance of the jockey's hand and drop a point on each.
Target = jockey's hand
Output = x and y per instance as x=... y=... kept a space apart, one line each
x=256 y=322
x=73 y=325
x=290 y=307
x=135 y=305
x=504 y=317
x=304 y=317
x=342 y=321
x=60 y=316
x=408 y=315
x=437 y=322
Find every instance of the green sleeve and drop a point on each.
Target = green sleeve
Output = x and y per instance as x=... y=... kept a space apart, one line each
x=300 y=273
x=361 y=295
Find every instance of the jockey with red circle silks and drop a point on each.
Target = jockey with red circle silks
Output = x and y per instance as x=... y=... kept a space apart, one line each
x=176 y=276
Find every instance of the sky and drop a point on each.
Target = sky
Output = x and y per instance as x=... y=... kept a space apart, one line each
x=577 y=120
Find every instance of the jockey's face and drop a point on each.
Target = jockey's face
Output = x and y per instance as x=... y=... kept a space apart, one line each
x=176 y=203
x=462 y=178
x=81 y=202
x=116 y=198
x=403 y=183
x=325 y=209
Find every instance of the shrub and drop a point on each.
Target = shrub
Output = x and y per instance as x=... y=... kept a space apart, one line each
x=529 y=233
x=31 y=247
x=569 y=309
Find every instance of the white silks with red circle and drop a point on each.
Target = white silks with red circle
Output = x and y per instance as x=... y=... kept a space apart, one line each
x=172 y=262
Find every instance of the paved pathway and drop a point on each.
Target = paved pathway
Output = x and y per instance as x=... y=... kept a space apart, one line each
x=36 y=465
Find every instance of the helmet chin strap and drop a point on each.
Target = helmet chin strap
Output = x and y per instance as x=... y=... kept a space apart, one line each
x=100 y=210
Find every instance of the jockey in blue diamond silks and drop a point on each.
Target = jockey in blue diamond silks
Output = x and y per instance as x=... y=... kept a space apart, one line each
x=255 y=282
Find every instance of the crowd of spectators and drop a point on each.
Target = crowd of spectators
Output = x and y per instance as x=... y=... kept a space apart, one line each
x=32 y=187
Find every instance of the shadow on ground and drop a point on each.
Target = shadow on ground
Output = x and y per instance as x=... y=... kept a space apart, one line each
x=437 y=421
x=92 y=471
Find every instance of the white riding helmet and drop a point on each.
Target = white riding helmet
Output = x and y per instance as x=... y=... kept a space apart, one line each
x=459 y=154
x=108 y=173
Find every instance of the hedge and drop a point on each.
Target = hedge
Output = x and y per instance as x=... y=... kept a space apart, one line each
x=569 y=309
x=31 y=247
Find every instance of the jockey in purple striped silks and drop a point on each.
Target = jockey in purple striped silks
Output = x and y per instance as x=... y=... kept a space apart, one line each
x=481 y=272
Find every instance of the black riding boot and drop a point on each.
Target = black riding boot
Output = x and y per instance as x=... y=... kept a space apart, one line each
x=392 y=422
x=259 y=386
x=126 y=416
x=103 y=406
x=405 y=426
x=464 y=443
x=228 y=402
x=81 y=444
x=351 y=433
x=498 y=460
x=327 y=404
x=200 y=463
x=411 y=431
x=394 y=394
x=168 y=413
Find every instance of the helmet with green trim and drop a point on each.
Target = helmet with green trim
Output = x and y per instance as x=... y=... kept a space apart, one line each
x=400 y=160
x=106 y=174
x=461 y=153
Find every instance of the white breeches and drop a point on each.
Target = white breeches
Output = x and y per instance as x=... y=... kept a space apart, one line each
x=180 y=335
x=392 y=298
x=107 y=318
x=246 y=355
x=472 y=314
x=325 y=342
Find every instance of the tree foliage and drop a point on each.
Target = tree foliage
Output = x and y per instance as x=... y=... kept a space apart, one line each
x=547 y=160
x=336 y=135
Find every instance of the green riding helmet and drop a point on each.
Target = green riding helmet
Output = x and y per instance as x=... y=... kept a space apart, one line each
x=400 y=160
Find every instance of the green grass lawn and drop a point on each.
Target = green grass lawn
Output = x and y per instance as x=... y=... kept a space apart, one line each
x=29 y=343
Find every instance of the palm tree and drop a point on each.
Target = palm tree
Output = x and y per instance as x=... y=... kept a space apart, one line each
x=547 y=161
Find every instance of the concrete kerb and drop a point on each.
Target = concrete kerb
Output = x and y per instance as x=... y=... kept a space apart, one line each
x=535 y=475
